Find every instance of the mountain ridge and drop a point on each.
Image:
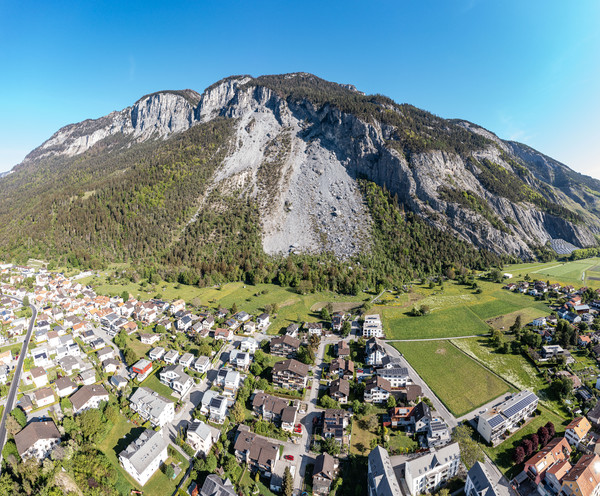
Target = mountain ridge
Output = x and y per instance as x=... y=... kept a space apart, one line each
x=296 y=148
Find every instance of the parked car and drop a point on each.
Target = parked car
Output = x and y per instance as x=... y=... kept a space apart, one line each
x=298 y=428
x=289 y=457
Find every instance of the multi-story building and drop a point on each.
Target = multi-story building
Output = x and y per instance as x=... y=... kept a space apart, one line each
x=396 y=376
x=506 y=416
x=479 y=482
x=377 y=390
x=372 y=327
x=144 y=456
x=335 y=423
x=257 y=452
x=175 y=377
x=290 y=374
x=201 y=437
x=88 y=396
x=374 y=352
x=555 y=451
x=324 y=473
x=427 y=473
x=584 y=478
x=381 y=479
x=152 y=406
x=577 y=430
x=269 y=407
x=286 y=346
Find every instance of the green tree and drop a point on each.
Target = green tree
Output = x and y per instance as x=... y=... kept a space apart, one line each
x=237 y=413
x=331 y=446
x=90 y=423
x=325 y=314
x=169 y=471
x=288 y=482
x=26 y=301
x=19 y=416
x=125 y=295
x=470 y=450
x=391 y=402
x=346 y=328
x=130 y=356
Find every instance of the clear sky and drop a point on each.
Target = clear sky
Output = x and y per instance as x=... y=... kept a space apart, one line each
x=527 y=70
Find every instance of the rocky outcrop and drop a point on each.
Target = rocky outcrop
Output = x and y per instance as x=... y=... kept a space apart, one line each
x=300 y=162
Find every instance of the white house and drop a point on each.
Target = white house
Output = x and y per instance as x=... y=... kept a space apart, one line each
x=44 y=397
x=156 y=353
x=175 y=377
x=144 y=456
x=186 y=360
x=39 y=376
x=263 y=321
x=372 y=327
x=249 y=345
x=65 y=386
x=152 y=406
x=201 y=437
x=171 y=357
x=202 y=364
x=88 y=397
x=37 y=439
x=239 y=359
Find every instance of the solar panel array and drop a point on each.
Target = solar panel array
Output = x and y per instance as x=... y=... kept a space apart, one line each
x=519 y=405
x=496 y=420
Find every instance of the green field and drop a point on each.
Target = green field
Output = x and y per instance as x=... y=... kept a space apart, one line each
x=561 y=272
x=456 y=310
x=458 y=381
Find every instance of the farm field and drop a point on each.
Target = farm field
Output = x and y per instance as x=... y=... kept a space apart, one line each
x=455 y=311
x=561 y=272
x=527 y=315
x=459 y=381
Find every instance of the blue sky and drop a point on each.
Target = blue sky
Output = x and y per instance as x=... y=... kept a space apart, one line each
x=526 y=70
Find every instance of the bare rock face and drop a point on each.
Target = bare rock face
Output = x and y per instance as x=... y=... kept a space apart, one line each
x=300 y=163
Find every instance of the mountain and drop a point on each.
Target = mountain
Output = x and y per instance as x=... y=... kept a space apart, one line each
x=259 y=167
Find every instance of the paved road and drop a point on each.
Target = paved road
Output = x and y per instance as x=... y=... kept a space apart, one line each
x=14 y=387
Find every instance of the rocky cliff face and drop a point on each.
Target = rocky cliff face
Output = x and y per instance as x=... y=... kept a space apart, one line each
x=299 y=157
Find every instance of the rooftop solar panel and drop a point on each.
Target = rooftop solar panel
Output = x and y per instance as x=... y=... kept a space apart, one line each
x=495 y=421
x=519 y=405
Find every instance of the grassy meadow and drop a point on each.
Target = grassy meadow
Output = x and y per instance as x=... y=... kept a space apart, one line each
x=458 y=381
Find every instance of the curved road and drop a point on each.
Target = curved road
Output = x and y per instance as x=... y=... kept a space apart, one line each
x=14 y=387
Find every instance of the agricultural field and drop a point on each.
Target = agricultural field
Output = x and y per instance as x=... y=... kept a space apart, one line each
x=455 y=311
x=459 y=382
x=578 y=273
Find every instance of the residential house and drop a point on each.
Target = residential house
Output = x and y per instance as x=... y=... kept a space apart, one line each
x=249 y=345
x=88 y=397
x=6 y=358
x=156 y=353
x=593 y=415
x=479 y=482
x=37 y=439
x=152 y=406
x=263 y=321
x=339 y=390
x=438 y=433
x=555 y=451
x=39 y=376
x=144 y=456
x=87 y=377
x=495 y=422
x=290 y=374
x=186 y=360
x=106 y=353
x=314 y=328
x=239 y=359
x=215 y=486
x=269 y=407
x=288 y=418
x=149 y=338
x=342 y=368
x=171 y=357
x=70 y=364
x=242 y=316
x=249 y=327
x=292 y=330
x=44 y=397
x=342 y=349
x=223 y=334
x=111 y=365
x=214 y=405
x=374 y=352
x=377 y=390
x=427 y=473
x=201 y=437
x=577 y=430
x=335 y=423
x=41 y=357
x=324 y=473
x=175 y=377
x=256 y=452
x=65 y=386
x=229 y=380
x=118 y=381
x=285 y=346
x=584 y=478
x=202 y=364
x=381 y=479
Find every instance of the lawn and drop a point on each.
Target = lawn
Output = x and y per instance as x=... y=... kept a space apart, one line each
x=527 y=315
x=502 y=454
x=361 y=439
x=401 y=443
x=460 y=382
x=153 y=382
x=456 y=310
x=561 y=272
x=515 y=369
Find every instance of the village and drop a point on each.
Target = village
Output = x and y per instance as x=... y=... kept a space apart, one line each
x=216 y=390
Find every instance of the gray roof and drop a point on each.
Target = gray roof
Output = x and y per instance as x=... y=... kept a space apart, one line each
x=144 y=449
x=215 y=486
x=481 y=481
x=33 y=432
x=425 y=463
x=149 y=401
x=382 y=479
x=199 y=428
